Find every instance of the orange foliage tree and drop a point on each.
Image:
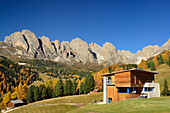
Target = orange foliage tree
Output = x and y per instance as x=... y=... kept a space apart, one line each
x=143 y=64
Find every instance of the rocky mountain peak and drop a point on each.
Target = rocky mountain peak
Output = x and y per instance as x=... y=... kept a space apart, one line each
x=77 y=50
x=29 y=33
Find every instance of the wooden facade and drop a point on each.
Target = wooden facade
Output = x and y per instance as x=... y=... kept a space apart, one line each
x=127 y=84
x=10 y=104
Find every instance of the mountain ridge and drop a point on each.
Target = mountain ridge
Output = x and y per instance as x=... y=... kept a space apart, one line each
x=77 y=50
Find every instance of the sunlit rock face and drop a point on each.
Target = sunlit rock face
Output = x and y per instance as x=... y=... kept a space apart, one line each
x=76 y=50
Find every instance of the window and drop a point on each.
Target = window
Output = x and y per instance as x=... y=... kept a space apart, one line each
x=139 y=78
x=149 y=89
x=135 y=79
x=122 y=90
x=126 y=90
x=109 y=80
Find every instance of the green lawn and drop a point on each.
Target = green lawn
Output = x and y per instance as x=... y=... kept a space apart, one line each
x=45 y=109
x=151 y=105
x=164 y=73
x=72 y=99
x=57 y=105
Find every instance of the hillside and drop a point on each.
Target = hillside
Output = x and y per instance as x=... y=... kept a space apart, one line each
x=78 y=104
x=164 y=73
x=59 y=105
x=12 y=74
x=151 y=105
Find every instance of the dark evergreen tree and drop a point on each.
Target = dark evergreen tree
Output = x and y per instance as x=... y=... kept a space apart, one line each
x=59 y=89
x=165 y=90
x=74 y=88
x=49 y=92
x=44 y=93
x=81 y=91
x=89 y=84
x=160 y=60
x=36 y=94
x=169 y=61
x=30 y=94
x=40 y=90
x=0 y=98
x=152 y=66
x=68 y=87
x=53 y=94
x=110 y=69
x=149 y=64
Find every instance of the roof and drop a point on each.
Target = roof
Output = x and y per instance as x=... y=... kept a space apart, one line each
x=95 y=90
x=16 y=101
x=131 y=71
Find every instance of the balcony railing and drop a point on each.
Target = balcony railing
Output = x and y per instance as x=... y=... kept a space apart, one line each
x=110 y=82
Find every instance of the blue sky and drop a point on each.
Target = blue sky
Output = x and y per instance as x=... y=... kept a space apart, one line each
x=127 y=24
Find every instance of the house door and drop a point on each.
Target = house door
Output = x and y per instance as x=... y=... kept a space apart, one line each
x=109 y=100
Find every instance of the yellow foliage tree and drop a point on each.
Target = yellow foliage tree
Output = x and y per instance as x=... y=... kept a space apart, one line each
x=165 y=57
x=143 y=64
x=7 y=98
x=79 y=83
x=155 y=61
x=22 y=91
x=49 y=83
x=54 y=80
x=98 y=80
x=14 y=94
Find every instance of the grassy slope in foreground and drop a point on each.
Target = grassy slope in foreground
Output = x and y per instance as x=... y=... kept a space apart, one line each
x=164 y=73
x=151 y=105
x=45 y=109
x=56 y=105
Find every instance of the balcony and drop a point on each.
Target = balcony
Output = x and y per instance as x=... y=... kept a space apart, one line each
x=110 y=82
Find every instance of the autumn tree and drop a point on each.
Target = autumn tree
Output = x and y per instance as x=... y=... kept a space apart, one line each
x=2 y=106
x=79 y=83
x=14 y=94
x=54 y=80
x=49 y=83
x=98 y=80
x=143 y=64
x=7 y=98
x=155 y=61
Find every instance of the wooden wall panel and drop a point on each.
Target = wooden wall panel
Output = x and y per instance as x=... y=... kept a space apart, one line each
x=112 y=93
x=10 y=104
x=123 y=79
x=122 y=96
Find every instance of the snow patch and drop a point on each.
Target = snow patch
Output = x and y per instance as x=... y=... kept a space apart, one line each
x=139 y=59
x=100 y=57
x=22 y=63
